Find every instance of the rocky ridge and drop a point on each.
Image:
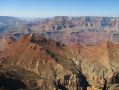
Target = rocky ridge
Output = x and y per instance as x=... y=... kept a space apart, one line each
x=72 y=67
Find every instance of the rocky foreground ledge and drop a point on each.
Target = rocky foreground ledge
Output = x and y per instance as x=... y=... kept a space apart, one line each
x=34 y=62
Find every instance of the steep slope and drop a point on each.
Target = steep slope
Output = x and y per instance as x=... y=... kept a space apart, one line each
x=99 y=63
x=47 y=59
x=72 y=67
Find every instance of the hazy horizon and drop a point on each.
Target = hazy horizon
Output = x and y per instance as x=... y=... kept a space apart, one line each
x=54 y=16
x=51 y=8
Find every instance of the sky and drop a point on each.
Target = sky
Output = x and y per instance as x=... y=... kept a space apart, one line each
x=50 y=8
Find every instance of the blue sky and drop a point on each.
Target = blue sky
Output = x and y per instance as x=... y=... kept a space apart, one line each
x=49 y=8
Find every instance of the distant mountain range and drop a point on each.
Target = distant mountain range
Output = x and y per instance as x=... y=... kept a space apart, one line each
x=63 y=28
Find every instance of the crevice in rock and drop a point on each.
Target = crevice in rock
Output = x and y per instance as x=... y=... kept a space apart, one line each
x=115 y=79
x=105 y=85
x=12 y=84
x=82 y=82
x=60 y=85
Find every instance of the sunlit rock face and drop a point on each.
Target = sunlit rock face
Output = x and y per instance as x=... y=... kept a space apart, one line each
x=45 y=58
x=67 y=53
x=55 y=65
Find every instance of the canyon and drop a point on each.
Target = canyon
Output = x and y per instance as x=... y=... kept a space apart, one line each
x=59 y=53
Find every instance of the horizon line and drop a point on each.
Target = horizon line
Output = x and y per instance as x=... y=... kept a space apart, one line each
x=57 y=16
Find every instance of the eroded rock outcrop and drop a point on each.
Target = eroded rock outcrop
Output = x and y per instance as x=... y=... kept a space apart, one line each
x=98 y=63
x=73 y=67
x=46 y=58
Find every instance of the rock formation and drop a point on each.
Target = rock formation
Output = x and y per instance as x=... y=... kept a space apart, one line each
x=67 y=53
x=69 y=30
x=53 y=65
x=45 y=58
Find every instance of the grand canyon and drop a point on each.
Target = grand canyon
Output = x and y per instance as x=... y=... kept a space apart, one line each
x=59 y=53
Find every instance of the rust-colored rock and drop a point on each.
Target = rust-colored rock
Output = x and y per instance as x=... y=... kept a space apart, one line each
x=73 y=67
